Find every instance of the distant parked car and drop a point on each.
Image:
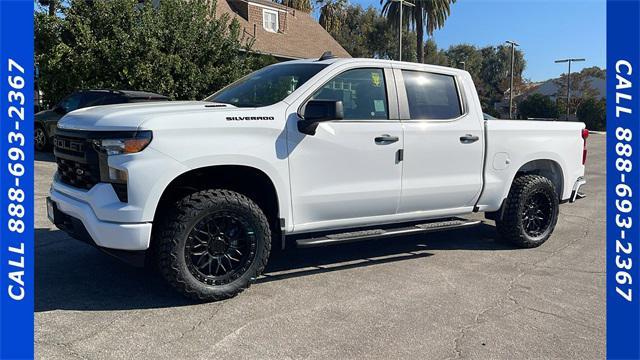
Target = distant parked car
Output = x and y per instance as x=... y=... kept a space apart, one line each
x=46 y=121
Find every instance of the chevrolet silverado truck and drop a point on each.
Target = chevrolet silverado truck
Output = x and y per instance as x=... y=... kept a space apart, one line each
x=306 y=152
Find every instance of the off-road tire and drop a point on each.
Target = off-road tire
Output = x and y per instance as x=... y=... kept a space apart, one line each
x=178 y=221
x=511 y=227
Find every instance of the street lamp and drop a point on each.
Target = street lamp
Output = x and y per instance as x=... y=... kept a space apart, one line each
x=513 y=55
x=402 y=3
x=570 y=60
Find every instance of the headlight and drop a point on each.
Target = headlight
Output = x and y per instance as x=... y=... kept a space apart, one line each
x=129 y=144
x=117 y=143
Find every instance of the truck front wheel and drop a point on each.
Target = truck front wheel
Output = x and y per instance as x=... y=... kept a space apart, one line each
x=213 y=244
x=530 y=213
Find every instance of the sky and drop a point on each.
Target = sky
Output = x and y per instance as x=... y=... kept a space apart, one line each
x=545 y=29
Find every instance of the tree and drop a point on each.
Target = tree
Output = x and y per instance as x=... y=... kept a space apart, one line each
x=489 y=67
x=581 y=87
x=593 y=113
x=426 y=15
x=495 y=72
x=383 y=41
x=364 y=32
x=433 y=55
x=469 y=54
x=331 y=12
x=52 y=5
x=302 y=5
x=538 y=106
x=179 y=49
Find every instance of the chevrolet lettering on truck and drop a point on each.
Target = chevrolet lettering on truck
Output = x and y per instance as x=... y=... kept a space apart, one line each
x=306 y=153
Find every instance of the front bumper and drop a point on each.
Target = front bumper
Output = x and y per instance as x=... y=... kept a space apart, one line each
x=78 y=219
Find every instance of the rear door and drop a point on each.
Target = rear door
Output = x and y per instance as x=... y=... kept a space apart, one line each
x=349 y=169
x=443 y=157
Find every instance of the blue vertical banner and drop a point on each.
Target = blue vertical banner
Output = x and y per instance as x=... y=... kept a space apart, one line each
x=16 y=179
x=623 y=181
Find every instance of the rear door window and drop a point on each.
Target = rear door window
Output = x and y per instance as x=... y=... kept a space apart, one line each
x=431 y=96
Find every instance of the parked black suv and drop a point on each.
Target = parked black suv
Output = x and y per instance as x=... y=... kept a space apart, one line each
x=46 y=121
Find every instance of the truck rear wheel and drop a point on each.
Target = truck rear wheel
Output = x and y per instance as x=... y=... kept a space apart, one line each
x=213 y=244
x=530 y=213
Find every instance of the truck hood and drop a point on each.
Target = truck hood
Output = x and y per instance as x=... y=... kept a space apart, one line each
x=131 y=116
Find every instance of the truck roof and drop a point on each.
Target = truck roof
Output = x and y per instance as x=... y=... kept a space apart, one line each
x=337 y=60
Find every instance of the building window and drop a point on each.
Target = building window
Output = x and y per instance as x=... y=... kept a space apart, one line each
x=270 y=20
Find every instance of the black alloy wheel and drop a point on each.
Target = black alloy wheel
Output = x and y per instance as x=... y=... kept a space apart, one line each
x=220 y=248
x=536 y=214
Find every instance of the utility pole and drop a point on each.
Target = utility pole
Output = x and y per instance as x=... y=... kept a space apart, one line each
x=570 y=60
x=402 y=3
x=513 y=56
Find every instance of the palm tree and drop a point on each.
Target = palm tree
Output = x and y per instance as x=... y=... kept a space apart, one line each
x=426 y=14
x=330 y=13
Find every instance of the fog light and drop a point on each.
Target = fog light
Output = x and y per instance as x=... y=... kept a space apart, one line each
x=117 y=175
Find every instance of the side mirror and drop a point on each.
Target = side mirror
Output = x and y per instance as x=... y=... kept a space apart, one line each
x=317 y=111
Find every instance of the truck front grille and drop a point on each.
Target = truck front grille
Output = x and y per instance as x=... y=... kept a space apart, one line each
x=78 y=162
x=77 y=174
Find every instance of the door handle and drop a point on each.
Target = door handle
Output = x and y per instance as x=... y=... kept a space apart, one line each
x=468 y=139
x=386 y=139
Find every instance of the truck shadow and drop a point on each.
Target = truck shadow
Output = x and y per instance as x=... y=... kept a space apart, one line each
x=71 y=275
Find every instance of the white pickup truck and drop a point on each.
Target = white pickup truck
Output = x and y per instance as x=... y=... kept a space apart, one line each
x=310 y=152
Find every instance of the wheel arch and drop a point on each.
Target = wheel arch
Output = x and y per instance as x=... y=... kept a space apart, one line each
x=250 y=181
x=547 y=168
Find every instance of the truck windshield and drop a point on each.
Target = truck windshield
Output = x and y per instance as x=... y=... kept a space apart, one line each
x=266 y=86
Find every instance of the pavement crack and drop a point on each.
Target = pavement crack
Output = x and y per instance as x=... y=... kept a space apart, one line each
x=95 y=332
x=555 y=252
x=478 y=318
x=66 y=348
x=537 y=265
x=508 y=296
x=193 y=328
x=558 y=316
x=590 y=220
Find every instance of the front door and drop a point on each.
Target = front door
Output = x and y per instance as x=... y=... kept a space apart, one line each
x=349 y=171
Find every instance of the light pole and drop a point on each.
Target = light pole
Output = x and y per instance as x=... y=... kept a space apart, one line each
x=570 y=60
x=402 y=3
x=513 y=55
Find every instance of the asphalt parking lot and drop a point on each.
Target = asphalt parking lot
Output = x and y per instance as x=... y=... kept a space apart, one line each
x=455 y=295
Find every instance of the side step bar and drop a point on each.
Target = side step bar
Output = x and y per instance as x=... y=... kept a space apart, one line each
x=353 y=236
